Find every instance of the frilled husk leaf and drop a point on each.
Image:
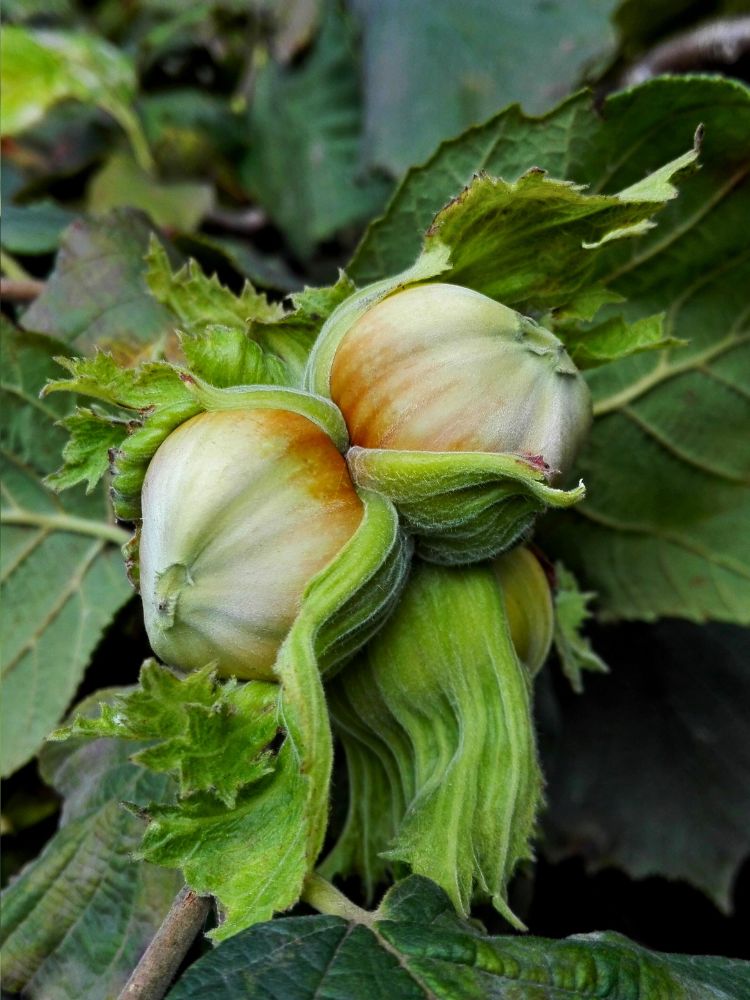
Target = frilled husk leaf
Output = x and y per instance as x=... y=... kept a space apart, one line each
x=462 y=506
x=435 y=716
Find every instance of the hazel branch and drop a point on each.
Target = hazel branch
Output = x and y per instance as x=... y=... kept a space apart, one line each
x=721 y=42
x=161 y=960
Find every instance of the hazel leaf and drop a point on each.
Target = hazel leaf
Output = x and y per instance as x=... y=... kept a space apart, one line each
x=62 y=570
x=415 y=948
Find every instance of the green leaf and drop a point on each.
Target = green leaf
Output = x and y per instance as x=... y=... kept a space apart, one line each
x=439 y=704
x=571 y=613
x=171 y=204
x=62 y=577
x=77 y=919
x=40 y=68
x=414 y=948
x=614 y=339
x=96 y=296
x=302 y=165
x=658 y=745
x=663 y=529
x=428 y=77
x=34 y=229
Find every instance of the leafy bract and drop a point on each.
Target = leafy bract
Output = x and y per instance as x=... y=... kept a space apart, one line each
x=238 y=817
x=302 y=163
x=663 y=531
x=62 y=578
x=96 y=294
x=428 y=77
x=210 y=737
x=650 y=769
x=531 y=243
x=436 y=713
x=198 y=300
x=571 y=613
x=414 y=948
x=40 y=68
x=77 y=919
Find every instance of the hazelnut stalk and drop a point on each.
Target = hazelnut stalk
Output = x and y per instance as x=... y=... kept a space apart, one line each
x=462 y=411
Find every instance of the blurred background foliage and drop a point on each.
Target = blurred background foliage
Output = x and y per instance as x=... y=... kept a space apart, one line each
x=273 y=130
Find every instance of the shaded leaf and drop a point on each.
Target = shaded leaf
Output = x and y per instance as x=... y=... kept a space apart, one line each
x=171 y=204
x=663 y=737
x=97 y=294
x=34 y=229
x=77 y=919
x=432 y=70
x=302 y=164
x=40 y=68
x=62 y=575
x=414 y=948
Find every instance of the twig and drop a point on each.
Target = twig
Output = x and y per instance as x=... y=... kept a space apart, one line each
x=162 y=958
x=20 y=289
x=721 y=42
x=249 y=220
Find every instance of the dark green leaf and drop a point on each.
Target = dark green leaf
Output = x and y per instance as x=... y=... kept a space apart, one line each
x=62 y=575
x=303 y=161
x=414 y=948
x=76 y=920
x=649 y=770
